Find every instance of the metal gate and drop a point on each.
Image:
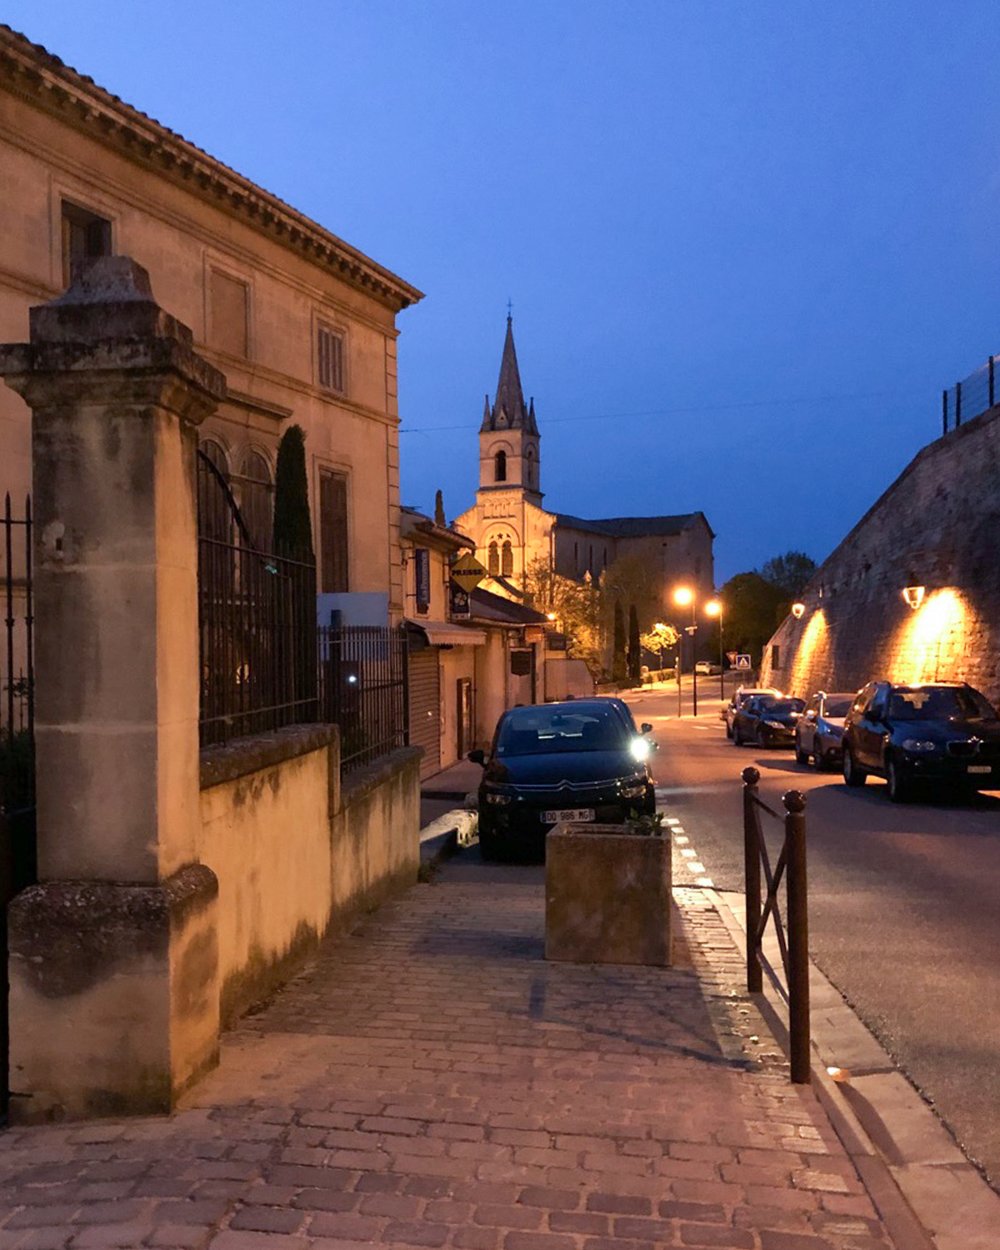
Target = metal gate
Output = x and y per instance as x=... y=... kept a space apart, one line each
x=18 y=867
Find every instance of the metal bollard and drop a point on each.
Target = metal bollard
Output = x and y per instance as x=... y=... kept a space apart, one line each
x=751 y=856
x=798 y=935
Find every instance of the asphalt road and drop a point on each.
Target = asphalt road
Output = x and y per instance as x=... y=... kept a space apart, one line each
x=904 y=905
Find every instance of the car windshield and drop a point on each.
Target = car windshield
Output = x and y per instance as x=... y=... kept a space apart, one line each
x=539 y=730
x=783 y=706
x=939 y=703
x=837 y=704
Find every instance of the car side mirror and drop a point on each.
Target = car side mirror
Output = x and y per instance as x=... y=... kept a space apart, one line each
x=477 y=757
x=645 y=728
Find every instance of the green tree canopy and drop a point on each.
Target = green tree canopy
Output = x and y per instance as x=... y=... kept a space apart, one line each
x=789 y=572
x=754 y=607
x=292 y=524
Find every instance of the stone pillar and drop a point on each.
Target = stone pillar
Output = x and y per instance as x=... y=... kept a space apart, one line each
x=113 y=964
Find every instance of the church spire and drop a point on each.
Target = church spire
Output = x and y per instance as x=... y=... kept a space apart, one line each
x=509 y=411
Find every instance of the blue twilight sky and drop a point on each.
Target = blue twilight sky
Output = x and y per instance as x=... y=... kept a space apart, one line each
x=747 y=244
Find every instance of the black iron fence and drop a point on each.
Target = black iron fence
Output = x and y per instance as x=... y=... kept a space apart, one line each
x=257 y=624
x=363 y=690
x=793 y=945
x=17 y=662
x=971 y=397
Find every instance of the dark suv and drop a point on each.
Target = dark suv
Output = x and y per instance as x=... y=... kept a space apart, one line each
x=938 y=733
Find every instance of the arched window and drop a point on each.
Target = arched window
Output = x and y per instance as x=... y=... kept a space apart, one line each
x=214 y=514
x=493 y=560
x=531 y=469
x=508 y=559
x=257 y=499
x=500 y=467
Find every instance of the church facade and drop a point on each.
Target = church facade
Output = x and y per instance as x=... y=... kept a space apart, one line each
x=512 y=529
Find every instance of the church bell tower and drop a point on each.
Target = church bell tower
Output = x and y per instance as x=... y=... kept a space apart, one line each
x=509 y=442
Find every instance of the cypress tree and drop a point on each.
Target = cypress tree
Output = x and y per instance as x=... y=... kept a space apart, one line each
x=634 y=647
x=292 y=524
x=618 y=671
x=439 y=510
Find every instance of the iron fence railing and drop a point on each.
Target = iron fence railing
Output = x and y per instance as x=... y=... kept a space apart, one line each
x=17 y=659
x=257 y=624
x=363 y=689
x=971 y=397
x=793 y=946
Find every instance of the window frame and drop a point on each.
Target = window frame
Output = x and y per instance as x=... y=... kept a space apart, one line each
x=324 y=327
x=86 y=218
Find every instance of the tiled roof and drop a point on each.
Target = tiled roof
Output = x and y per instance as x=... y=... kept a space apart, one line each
x=632 y=526
x=31 y=71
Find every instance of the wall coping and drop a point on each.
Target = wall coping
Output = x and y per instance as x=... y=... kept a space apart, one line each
x=230 y=760
x=356 y=785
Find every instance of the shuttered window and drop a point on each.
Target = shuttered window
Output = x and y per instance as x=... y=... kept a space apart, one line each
x=333 y=532
x=330 y=359
x=229 y=322
x=85 y=237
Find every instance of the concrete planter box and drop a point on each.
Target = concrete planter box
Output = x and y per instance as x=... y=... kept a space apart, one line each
x=607 y=896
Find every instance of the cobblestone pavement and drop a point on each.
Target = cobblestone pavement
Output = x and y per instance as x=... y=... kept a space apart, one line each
x=431 y=1082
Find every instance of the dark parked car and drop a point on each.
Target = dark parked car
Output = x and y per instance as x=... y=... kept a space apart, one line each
x=939 y=733
x=740 y=697
x=582 y=760
x=819 y=733
x=767 y=720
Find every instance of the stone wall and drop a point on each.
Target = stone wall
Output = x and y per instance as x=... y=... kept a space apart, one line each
x=295 y=853
x=937 y=526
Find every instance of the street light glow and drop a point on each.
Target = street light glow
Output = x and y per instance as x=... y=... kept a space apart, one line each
x=683 y=596
x=713 y=608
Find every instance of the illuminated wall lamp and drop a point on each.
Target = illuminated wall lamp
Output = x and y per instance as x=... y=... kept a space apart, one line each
x=913 y=596
x=798 y=610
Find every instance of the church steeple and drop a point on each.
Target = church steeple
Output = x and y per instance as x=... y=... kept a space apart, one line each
x=509 y=442
x=509 y=411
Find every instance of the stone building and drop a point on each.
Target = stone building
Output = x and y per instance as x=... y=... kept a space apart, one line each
x=302 y=324
x=933 y=534
x=512 y=529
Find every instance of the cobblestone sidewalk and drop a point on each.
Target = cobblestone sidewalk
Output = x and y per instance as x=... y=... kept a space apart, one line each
x=431 y=1082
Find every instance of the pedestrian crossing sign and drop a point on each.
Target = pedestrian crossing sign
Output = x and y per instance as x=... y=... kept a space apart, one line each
x=743 y=662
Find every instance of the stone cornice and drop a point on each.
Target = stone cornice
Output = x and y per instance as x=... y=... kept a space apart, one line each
x=29 y=71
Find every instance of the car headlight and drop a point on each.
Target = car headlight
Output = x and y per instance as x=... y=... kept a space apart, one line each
x=496 y=799
x=775 y=724
x=633 y=788
x=918 y=744
x=640 y=749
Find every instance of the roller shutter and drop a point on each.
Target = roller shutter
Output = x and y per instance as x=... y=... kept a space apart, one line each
x=425 y=708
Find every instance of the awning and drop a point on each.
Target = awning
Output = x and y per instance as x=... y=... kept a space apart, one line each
x=445 y=634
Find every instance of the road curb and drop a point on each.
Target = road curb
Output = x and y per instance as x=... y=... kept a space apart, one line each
x=928 y=1195
x=446 y=835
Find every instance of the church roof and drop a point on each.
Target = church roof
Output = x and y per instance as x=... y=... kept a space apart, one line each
x=633 y=526
x=509 y=411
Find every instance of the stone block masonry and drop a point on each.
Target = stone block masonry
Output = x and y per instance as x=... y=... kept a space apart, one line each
x=937 y=526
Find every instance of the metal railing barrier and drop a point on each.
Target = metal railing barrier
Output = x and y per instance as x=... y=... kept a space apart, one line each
x=794 y=947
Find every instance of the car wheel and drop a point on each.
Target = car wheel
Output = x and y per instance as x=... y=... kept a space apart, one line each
x=729 y=730
x=900 y=786
x=801 y=757
x=489 y=846
x=819 y=760
x=853 y=775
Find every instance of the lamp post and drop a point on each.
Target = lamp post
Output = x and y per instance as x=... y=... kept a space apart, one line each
x=683 y=596
x=714 y=608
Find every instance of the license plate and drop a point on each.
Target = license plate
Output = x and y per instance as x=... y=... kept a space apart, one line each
x=980 y=768
x=570 y=813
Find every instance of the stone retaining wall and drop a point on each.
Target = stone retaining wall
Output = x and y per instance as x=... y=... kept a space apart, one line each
x=937 y=526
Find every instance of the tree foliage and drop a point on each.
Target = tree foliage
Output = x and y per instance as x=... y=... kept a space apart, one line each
x=634 y=647
x=754 y=608
x=789 y=572
x=578 y=608
x=619 y=671
x=292 y=524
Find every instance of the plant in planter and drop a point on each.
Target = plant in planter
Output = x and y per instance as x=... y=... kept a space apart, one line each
x=608 y=892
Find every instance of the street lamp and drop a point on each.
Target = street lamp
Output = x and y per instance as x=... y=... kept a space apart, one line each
x=683 y=596
x=714 y=608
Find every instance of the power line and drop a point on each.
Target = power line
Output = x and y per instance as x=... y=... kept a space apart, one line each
x=686 y=409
